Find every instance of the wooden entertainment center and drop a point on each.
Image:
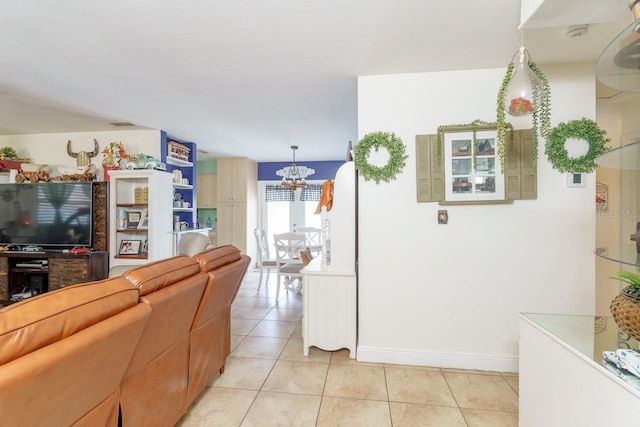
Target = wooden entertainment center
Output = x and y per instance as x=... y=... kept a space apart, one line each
x=18 y=269
x=57 y=269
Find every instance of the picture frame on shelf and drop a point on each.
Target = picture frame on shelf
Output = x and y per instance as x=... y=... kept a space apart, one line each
x=129 y=247
x=143 y=223
x=145 y=247
x=133 y=218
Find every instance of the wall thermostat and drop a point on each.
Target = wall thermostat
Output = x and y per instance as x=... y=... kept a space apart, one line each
x=576 y=180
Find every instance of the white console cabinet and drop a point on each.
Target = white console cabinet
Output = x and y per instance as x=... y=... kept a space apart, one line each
x=329 y=309
x=330 y=280
x=563 y=381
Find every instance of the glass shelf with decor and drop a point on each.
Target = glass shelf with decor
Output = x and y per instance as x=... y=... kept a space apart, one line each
x=620 y=210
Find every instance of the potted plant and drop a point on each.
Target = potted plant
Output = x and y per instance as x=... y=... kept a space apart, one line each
x=525 y=71
x=8 y=153
x=113 y=153
x=625 y=307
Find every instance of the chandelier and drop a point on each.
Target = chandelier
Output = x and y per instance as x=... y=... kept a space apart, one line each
x=293 y=178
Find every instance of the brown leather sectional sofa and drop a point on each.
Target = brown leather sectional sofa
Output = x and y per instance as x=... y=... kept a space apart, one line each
x=135 y=349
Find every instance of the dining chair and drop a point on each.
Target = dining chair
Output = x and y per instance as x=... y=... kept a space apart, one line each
x=264 y=261
x=313 y=238
x=288 y=263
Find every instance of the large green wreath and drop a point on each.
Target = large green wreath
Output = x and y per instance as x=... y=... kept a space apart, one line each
x=584 y=129
x=375 y=140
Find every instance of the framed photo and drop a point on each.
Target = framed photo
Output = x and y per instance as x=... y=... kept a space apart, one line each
x=133 y=218
x=143 y=222
x=130 y=247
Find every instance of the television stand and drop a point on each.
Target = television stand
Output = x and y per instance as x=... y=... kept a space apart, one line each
x=47 y=271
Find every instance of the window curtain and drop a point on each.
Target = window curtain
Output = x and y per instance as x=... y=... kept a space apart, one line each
x=276 y=193
x=311 y=193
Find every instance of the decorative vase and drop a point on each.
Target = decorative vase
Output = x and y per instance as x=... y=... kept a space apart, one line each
x=625 y=309
x=109 y=160
x=106 y=170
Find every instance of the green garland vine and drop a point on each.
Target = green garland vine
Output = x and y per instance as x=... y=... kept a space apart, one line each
x=585 y=129
x=376 y=140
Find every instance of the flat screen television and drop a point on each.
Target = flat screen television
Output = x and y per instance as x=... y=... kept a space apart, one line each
x=54 y=215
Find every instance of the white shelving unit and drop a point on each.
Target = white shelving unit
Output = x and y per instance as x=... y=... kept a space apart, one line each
x=144 y=221
x=330 y=287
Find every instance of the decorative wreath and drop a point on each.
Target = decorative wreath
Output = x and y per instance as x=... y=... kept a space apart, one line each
x=375 y=140
x=584 y=129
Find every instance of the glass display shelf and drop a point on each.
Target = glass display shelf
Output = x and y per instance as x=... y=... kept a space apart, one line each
x=623 y=157
x=626 y=254
x=589 y=336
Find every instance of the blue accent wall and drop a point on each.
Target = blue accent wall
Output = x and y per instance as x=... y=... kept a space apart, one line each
x=324 y=169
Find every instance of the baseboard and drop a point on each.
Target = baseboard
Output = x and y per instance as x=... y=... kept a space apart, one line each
x=481 y=362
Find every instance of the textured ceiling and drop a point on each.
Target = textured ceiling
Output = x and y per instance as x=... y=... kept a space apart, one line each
x=252 y=77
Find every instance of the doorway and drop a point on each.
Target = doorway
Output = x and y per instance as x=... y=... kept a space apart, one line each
x=286 y=211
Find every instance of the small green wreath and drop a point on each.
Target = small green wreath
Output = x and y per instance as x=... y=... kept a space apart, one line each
x=375 y=140
x=584 y=129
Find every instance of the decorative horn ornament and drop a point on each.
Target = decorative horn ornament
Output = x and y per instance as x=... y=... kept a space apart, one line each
x=83 y=158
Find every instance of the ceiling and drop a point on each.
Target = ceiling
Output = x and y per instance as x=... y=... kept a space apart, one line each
x=253 y=77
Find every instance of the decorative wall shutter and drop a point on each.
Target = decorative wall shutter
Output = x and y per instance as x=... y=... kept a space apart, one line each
x=429 y=169
x=521 y=179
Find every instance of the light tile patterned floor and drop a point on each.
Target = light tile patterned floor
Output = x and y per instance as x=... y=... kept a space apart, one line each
x=268 y=382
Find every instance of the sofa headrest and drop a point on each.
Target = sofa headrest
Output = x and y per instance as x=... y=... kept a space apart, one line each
x=159 y=274
x=216 y=257
x=50 y=317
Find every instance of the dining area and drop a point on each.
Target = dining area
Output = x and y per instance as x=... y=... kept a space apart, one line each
x=291 y=253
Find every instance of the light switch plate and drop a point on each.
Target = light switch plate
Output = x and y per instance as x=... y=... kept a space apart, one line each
x=443 y=216
x=576 y=180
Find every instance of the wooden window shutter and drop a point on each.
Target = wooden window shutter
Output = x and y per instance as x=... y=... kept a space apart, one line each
x=521 y=178
x=429 y=169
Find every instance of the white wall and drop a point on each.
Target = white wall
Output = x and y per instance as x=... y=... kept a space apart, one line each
x=447 y=295
x=51 y=148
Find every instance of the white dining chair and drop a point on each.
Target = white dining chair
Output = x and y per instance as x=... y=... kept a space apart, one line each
x=288 y=247
x=313 y=238
x=264 y=261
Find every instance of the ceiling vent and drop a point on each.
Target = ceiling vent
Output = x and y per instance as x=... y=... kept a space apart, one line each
x=575 y=31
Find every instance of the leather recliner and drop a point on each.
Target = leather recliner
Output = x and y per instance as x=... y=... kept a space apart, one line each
x=63 y=354
x=210 y=343
x=154 y=388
